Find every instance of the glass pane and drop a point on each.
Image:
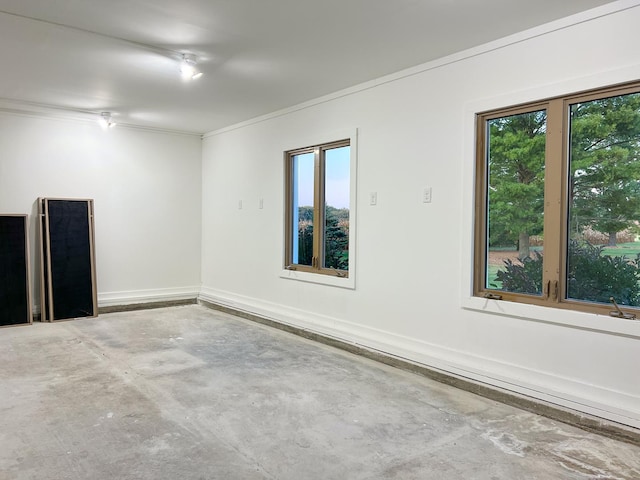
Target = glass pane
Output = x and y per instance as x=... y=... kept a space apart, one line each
x=604 y=200
x=515 y=202
x=302 y=231
x=336 y=196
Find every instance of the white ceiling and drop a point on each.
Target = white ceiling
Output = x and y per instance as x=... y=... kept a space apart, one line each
x=258 y=56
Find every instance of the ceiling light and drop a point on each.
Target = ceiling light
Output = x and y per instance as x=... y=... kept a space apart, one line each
x=105 y=120
x=188 y=67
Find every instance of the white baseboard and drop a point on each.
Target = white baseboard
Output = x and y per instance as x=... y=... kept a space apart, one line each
x=109 y=299
x=569 y=393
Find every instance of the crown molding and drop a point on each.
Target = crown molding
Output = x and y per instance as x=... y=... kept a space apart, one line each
x=25 y=108
x=547 y=28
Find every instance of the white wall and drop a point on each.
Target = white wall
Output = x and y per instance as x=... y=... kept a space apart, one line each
x=146 y=187
x=413 y=278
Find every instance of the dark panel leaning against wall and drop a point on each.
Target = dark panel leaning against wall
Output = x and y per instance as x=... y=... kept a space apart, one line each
x=68 y=260
x=15 y=291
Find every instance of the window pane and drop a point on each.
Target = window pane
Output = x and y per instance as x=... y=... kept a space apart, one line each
x=604 y=200
x=302 y=231
x=515 y=202
x=336 y=195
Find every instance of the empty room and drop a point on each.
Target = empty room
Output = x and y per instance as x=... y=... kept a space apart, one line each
x=301 y=240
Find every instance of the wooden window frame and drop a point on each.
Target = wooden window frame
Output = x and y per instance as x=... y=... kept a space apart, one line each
x=318 y=209
x=556 y=204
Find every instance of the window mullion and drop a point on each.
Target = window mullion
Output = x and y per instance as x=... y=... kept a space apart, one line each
x=289 y=223
x=318 y=210
x=554 y=190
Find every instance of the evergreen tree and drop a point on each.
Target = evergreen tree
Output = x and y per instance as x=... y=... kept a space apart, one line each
x=605 y=164
x=516 y=154
x=336 y=237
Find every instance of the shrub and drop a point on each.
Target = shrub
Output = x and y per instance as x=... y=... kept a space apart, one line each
x=591 y=276
x=595 y=277
x=522 y=277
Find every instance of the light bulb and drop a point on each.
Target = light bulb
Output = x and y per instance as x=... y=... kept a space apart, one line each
x=105 y=120
x=188 y=68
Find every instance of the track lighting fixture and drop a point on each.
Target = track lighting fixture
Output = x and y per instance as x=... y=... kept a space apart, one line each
x=188 y=67
x=105 y=120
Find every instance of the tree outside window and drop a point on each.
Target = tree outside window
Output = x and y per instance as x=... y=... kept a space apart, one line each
x=558 y=201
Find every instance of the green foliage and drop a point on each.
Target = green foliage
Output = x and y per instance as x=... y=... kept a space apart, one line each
x=336 y=237
x=605 y=164
x=591 y=276
x=604 y=190
x=305 y=214
x=305 y=242
x=516 y=176
x=595 y=277
x=522 y=277
x=336 y=241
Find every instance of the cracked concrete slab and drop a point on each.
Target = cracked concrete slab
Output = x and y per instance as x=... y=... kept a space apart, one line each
x=191 y=393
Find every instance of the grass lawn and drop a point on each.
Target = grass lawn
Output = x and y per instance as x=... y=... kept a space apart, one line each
x=628 y=249
x=493 y=270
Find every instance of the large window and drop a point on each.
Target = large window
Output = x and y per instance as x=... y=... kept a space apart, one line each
x=558 y=202
x=317 y=208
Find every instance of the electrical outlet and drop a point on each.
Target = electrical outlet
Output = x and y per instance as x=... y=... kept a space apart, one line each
x=373 y=198
x=239 y=204
x=261 y=204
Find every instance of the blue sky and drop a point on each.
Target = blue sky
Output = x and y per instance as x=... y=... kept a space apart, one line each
x=337 y=178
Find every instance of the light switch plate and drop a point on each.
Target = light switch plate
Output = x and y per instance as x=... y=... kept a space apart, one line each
x=426 y=195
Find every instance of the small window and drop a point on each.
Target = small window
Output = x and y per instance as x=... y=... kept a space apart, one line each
x=558 y=202
x=318 y=208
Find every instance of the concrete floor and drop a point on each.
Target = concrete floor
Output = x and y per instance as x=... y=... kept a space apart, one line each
x=191 y=393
